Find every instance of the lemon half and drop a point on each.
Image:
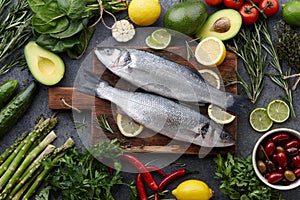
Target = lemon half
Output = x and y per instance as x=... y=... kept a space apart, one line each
x=210 y=51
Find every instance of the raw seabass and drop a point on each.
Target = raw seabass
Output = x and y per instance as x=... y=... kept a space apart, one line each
x=166 y=78
x=159 y=114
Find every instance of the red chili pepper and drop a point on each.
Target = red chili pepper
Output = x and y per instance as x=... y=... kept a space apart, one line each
x=168 y=179
x=143 y=170
x=140 y=187
x=156 y=169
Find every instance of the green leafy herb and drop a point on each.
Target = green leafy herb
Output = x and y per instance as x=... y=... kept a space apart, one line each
x=239 y=181
x=67 y=26
x=82 y=176
x=103 y=124
x=248 y=47
x=275 y=63
x=287 y=47
x=15 y=30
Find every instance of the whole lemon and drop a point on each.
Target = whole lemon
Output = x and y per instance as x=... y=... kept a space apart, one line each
x=192 y=190
x=144 y=12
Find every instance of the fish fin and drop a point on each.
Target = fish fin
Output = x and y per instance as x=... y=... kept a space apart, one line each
x=87 y=83
x=236 y=103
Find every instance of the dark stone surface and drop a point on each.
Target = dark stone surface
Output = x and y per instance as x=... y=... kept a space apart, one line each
x=245 y=139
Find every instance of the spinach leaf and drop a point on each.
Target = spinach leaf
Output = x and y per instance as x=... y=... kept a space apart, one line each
x=74 y=28
x=77 y=50
x=36 y=5
x=73 y=8
x=57 y=45
x=46 y=27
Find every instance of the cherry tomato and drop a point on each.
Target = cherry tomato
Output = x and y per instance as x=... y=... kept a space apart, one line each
x=234 y=4
x=249 y=14
x=254 y=1
x=214 y=2
x=269 y=7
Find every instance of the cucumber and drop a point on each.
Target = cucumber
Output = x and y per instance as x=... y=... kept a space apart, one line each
x=7 y=90
x=15 y=109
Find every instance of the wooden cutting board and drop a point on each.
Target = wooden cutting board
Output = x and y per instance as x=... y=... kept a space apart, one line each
x=148 y=141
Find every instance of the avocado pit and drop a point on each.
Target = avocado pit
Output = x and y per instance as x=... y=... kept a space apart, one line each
x=222 y=25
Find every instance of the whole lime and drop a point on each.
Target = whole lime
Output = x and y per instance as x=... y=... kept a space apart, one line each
x=291 y=13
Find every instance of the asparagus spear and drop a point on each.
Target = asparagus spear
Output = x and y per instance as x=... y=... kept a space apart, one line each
x=58 y=153
x=12 y=147
x=27 y=144
x=25 y=163
x=15 y=151
x=30 y=171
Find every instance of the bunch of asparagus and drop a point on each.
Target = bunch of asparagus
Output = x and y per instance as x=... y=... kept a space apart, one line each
x=21 y=170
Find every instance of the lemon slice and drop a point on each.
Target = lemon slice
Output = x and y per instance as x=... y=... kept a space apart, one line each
x=210 y=51
x=159 y=39
x=219 y=115
x=123 y=30
x=128 y=127
x=259 y=120
x=211 y=77
x=278 y=111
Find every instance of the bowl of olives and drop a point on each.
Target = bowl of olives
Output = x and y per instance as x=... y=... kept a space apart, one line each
x=276 y=158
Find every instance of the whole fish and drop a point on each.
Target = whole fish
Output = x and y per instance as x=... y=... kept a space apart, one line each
x=159 y=114
x=164 y=77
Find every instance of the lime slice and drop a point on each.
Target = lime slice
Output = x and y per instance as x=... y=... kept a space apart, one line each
x=259 y=120
x=161 y=36
x=159 y=39
x=210 y=51
x=219 y=115
x=128 y=127
x=278 y=111
x=211 y=77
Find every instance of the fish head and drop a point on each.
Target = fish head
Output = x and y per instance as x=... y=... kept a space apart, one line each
x=225 y=139
x=115 y=59
x=212 y=135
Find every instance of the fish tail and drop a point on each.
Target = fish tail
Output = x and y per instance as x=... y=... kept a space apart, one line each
x=236 y=103
x=87 y=83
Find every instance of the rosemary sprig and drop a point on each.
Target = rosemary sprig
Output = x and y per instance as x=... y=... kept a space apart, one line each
x=103 y=124
x=275 y=63
x=247 y=46
x=15 y=30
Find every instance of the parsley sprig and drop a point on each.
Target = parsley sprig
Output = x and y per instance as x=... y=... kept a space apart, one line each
x=239 y=181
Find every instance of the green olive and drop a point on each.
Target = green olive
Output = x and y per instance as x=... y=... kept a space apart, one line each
x=289 y=175
x=261 y=166
x=279 y=148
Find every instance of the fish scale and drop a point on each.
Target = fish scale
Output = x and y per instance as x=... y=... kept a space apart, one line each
x=159 y=114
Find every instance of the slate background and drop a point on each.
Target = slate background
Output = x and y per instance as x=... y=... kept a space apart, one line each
x=245 y=139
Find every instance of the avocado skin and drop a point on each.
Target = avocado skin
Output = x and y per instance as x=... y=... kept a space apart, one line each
x=186 y=17
x=235 y=24
x=291 y=13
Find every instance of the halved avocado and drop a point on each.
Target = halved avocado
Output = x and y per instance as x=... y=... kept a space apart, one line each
x=45 y=66
x=223 y=24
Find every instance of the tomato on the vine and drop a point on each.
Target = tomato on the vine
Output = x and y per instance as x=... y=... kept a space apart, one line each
x=249 y=13
x=234 y=4
x=254 y=1
x=214 y=2
x=269 y=7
